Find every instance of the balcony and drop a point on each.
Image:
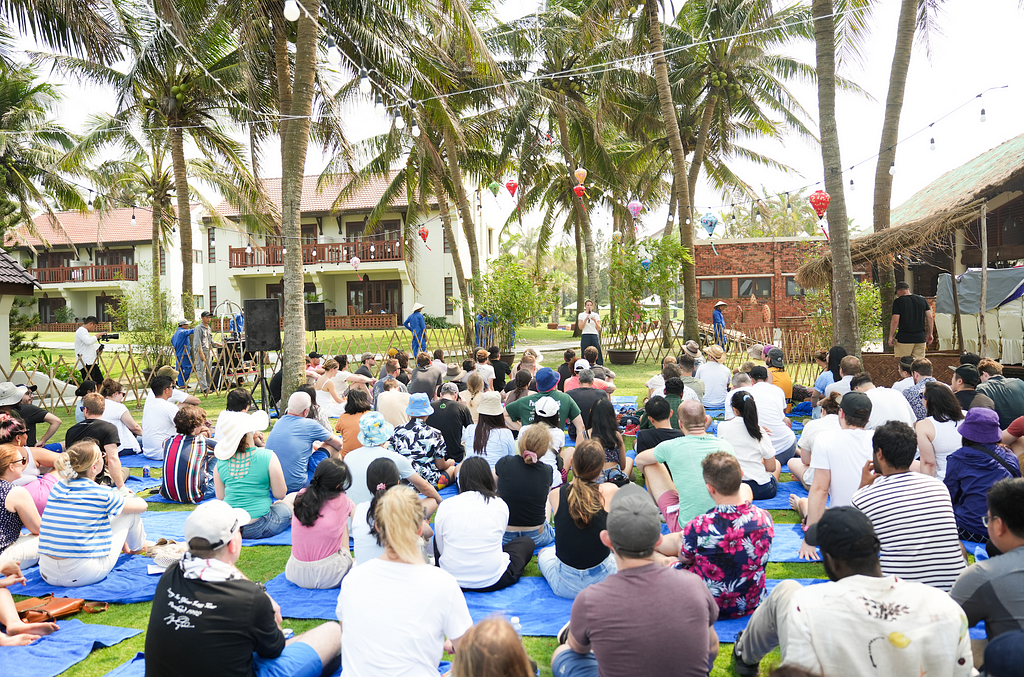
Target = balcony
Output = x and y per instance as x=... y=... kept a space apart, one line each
x=368 y=251
x=75 y=274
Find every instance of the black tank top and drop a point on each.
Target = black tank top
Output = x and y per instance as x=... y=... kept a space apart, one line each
x=579 y=548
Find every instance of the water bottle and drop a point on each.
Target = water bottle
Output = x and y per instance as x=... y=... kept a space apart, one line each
x=145 y=471
x=517 y=626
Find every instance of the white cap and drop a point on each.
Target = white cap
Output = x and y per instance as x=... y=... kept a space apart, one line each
x=215 y=521
x=546 y=406
x=581 y=364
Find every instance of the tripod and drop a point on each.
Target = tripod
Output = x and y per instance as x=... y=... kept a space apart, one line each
x=261 y=383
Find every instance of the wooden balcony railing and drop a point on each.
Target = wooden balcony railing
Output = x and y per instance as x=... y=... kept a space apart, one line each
x=367 y=251
x=111 y=273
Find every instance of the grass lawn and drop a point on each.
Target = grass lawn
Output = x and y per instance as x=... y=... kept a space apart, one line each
x=263 y=563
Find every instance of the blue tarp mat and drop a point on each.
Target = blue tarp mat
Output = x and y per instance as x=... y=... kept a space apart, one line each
x=171 y=525
x=128 y=583
x=53 y=654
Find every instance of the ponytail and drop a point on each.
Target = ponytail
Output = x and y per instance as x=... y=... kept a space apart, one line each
x=381 y=475
x=399 y=515
x=330 y=480
x=533 y=442
x=743 y=402
x=583 y=497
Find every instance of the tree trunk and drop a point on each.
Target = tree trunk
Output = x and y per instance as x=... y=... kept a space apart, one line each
x=582 y=217
x=294 y=142
x=188 y=304
x=702 y=141
x=157 y=235
x=844 y=303
x=460 y=276
x=679 y=178
x=887 y=150
x=670 y=221
x=580 y=279
x=465 y=207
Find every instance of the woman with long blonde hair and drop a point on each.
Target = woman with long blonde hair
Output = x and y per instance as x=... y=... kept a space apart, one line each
x=473 y=394
x=395 y=610
x=578 y=557
x=17 y=511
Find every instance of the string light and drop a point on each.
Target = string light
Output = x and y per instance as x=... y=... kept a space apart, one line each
x=89 y=206
x=334 y=56
x=931 y=143
x=291 y=10
x=364 y=78
x=892 y=168
x=982 y=114
x=415 y=129
x=133 y=216
x=378 y=107
x=248 y=249
x=852 y=188
x=399 y=122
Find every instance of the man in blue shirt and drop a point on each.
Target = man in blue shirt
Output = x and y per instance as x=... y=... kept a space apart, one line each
x=718 y=322
x=418 y=326
x=292 y=441
x=237 y=323
x=181 y=341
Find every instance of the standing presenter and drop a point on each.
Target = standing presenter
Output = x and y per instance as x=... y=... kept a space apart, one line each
x=589 y=323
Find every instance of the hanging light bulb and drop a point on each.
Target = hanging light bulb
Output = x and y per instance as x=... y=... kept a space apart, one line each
x=291 y=10
x=378 y=107
x=852 y=187
x=133 y=217
x=982 y=114
x=789 y=206
x=415 y=129
x=333 y=53
x=89 y=206
x=364 y=81
x=892 y=168
x=399 y=122
x=931 y=144
x=248 y=249
x=312 y=252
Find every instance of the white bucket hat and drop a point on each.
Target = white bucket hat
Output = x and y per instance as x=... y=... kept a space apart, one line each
x=232 y=426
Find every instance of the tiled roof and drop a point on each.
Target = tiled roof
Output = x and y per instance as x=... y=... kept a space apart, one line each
x=86 y=228
x=12 y=272
x=316 y=199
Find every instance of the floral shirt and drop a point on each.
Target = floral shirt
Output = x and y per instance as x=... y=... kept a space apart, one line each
x=913 y=395
x=728 y=547
x=421 y=444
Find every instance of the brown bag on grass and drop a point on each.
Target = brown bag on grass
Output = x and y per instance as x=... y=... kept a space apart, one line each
x=49 y=608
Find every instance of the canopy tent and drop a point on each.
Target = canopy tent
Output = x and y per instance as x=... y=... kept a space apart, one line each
x=1004 y=285
x=1004 y=314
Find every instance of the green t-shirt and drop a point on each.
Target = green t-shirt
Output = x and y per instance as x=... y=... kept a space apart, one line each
x=683 y=457
x=522 y=409
x=246 y=479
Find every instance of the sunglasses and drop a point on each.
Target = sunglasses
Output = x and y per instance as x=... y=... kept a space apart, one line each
x=23 y=461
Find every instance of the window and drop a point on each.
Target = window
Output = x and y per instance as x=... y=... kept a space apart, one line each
x=449 y=307
x=793 y=289
x=163 y=261
x=198 y=298
x=716 y=289
x=490 y=241
x=444 y=239
x=213 y=297
x=755 y=286
x=197 y=256
x=211 y=245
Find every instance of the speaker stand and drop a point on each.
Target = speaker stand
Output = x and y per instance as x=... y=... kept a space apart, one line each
x=261 y=383
x=316 y=346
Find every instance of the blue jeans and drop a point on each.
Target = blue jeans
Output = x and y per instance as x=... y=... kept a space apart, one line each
x=540 y=538
x=572 y=664
x=274 y=522
x=587 y=340
x=567 y=581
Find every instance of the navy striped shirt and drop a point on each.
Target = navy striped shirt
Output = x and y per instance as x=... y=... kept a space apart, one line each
x=76 y=522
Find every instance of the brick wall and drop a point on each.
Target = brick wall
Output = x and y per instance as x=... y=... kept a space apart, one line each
x=736 y=259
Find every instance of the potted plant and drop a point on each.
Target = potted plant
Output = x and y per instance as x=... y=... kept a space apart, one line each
x=510 y=296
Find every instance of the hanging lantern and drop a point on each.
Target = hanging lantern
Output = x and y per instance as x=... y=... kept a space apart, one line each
x=581 y=175
x=646 y=263
x=616 y=236
x=494 y=186
x=635 y=207
x=511 y=186
x=423 y=233
x=579 y=190
x=819 y=200
x=354 y=262
x=710 y=221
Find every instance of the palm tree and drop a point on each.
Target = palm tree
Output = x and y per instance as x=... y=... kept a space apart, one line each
x=86 y=27
x=32 y=146
x=844 y=300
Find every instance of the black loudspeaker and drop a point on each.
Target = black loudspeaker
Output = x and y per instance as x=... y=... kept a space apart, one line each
x=316 y=317
x=262 y=324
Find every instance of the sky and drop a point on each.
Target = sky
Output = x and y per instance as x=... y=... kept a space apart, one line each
x=974 y=50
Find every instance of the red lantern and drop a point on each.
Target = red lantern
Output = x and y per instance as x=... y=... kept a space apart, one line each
x=423 y=232
x=579 y=190
x=512 y=185
x=819 y=200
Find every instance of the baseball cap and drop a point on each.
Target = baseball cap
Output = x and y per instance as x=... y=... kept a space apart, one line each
x=546 y=406
x=314 y=355
x=28 y=387
x=856 y=404
x=449 y=389
x=206 y=313
x=839 y=529
x=183 y=322
x=581 y=364
x=969 y=374
x=367 y=356
x=215 y=521
x=633 y=523
x=759 y=373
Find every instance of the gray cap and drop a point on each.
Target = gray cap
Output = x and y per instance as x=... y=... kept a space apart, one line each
x=449 y=389
x=634 y=522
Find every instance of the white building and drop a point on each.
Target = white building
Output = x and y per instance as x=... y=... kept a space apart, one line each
x=394 y=270
x=112 y=251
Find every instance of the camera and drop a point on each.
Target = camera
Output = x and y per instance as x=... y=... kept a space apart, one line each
x=109 y=337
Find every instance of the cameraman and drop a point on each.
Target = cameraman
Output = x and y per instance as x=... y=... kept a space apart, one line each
x=86 y=350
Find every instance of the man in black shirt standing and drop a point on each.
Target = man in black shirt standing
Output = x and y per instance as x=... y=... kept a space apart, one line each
x=451 y=417
x=104 y=434
x=501 y=370
x=914 y=319
x=204 y=606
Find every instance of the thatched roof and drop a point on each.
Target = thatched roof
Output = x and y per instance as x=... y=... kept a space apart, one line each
x=944 y=206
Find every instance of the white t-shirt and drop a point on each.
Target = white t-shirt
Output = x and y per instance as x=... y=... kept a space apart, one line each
x=827 y=424
x=913 y=517
x=467 y=532
x=749 y=452
x=365 y=543
x=842 y=386
x=440 y=365
x=589 y=327
x=843 y=454
x=861 y=625
x=557 y=442
x=771 y=414
x=656 y=385
x=358 y=460
x=112 y=413
x=716 y=383
x=395 y=617
x=500 y=443
x=486 y=372
x=178 y=396
x=157 y=426
x=889 y=405
x=903 y=384
x=85 y=346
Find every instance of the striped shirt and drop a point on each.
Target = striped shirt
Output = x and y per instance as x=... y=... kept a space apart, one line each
x=76 y=522
x=913 y=517
x=185 y=469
